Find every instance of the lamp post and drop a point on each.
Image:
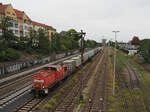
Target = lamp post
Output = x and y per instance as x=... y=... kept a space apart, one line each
x=113 y=92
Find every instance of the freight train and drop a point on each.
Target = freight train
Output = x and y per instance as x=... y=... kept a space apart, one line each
x=51 y=75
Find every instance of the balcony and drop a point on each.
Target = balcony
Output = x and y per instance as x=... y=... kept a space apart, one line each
x=21 y=28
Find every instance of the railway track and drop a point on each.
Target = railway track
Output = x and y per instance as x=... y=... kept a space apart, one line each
x=29 y=106
x=74 y=93
x=139 y=84
x=97 y=94
x=10 y=98
x=122 y=85
x=129 y=90
x=129 y=87
x=133 y=83
x=17 y=88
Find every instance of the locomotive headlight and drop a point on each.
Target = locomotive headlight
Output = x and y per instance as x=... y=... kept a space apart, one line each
x=40 y=81
x=43 y=87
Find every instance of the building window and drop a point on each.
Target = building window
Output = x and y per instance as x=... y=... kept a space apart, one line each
x=25 y=21
x=16 y=32
x=30 y=28
x=8 y=12
x=13 y=14
x=16 y=25
x=52 y=33
x=26 y=34
x=0 y=34
x=25 y=27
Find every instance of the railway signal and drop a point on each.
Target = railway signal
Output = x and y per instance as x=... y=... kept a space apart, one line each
x=82 y=43
x=82 y=35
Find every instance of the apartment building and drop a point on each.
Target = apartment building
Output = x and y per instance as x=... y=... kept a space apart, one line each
x=22 y=24
x=49 y=29
x=7 y=10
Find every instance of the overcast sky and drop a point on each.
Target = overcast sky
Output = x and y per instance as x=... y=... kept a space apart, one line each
x=97 y=18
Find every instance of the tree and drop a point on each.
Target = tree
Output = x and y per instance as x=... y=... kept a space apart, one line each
x=44 y=43
x=144 y=49
x=67 y=41
x=34 y=40
x=6 y=22
x=135 y=40
x=91 y=43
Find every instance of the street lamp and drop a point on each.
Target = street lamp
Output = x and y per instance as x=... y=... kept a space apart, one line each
x=113 y=92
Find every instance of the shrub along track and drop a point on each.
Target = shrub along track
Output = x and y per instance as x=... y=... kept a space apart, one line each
x=67 y=99
x=97 y=92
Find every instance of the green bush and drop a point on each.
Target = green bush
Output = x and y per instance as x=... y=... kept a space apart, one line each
x=38 y=108
x=52 y=101
x=9 y=55
x=48 y=107
x=29 y=50
x=2 y=55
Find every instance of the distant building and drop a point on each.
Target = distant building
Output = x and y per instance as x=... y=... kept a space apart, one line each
x=104 y=42
x=22 y=24
x=62 y=33
x=132 y=52
x=128 y=46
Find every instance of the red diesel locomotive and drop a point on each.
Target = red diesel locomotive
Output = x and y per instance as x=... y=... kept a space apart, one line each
x=47 y=78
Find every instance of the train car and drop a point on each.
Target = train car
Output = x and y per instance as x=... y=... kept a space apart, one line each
x=91 y=53
x=95 y=50
x=99 y=48
x=85 y=57
x=70 y=65
x=77 y=61
x=45 y=79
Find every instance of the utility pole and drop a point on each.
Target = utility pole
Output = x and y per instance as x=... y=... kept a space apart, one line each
x=113 y=92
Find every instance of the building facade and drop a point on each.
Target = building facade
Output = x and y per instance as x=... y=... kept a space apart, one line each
x=21 y=23
x=8 y=11
x=48 y=29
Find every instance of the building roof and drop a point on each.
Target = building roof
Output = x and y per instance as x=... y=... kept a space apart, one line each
x=38 y=24
x=50 y=28
x=2 y=8
x=20 y=14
